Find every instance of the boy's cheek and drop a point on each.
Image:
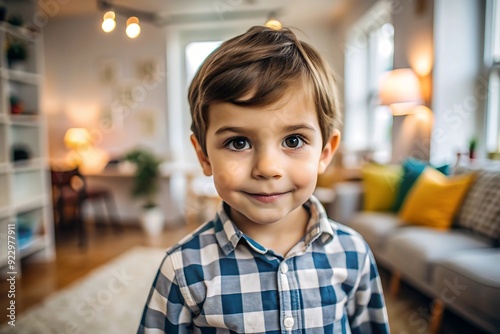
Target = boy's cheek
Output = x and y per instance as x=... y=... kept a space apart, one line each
x=305 y=173
x=228 y=173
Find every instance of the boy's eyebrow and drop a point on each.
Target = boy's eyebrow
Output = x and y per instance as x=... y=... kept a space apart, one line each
x=290 y=128
x=229 y=129
x=302 y=126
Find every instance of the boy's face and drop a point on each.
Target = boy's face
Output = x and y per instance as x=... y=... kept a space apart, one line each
x=265 y=160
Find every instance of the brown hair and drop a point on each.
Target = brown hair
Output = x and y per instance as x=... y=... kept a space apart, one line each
x=266 y=63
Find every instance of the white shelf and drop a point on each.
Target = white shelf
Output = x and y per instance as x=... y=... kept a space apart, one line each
x=3 y=147
x=29 y=165
x=23 y=77
x=28 y=78
x=4 y=212
x=34 y=245
x=25 y=193
x=4 y=167
x=25 y=120
x=16 y=31
x=4 y=194
x=33 y=203
x=3 y=240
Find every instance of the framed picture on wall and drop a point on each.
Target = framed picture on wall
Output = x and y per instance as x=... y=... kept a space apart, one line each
x=110 y=71
x=147 y=69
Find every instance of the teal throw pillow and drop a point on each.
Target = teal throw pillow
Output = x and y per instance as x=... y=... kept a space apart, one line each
x=412 y=168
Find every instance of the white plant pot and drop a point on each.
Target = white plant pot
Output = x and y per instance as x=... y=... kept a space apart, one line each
x=153 y=221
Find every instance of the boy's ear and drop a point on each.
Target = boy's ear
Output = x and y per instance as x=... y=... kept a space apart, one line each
x=327 y=154
x=204 y=161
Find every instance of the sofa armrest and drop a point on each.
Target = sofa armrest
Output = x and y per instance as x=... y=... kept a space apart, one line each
x=348 y=201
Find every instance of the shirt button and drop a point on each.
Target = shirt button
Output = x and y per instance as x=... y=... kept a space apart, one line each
x=284 y=268
x=288 y=322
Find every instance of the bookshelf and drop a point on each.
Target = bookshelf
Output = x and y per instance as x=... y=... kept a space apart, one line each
x=25 y=192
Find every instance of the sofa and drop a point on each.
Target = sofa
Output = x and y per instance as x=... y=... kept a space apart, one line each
x=458 y=267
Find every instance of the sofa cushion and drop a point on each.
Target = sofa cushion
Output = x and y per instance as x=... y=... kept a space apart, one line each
x=435 y=198
x=374 y=227
x=380 y=183
x=470 y=278
x=414 y=250
x=480 y=211
x=412 y=168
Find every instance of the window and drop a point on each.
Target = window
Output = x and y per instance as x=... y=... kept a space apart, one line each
x=492 y=60
x=369 y=54
x=196 y=53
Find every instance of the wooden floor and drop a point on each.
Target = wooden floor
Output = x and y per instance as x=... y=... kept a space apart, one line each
x=409 y=311
x=39 y=280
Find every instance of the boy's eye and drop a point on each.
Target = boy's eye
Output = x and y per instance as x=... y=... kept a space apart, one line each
x=293 y=141
x=238 y=144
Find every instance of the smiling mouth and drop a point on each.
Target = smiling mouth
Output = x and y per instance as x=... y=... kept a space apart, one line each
x=266 y=198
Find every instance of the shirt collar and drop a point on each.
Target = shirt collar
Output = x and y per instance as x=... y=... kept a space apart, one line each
x=229 y=235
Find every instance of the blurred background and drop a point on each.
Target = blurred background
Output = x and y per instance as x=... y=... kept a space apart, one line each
x=94 y=120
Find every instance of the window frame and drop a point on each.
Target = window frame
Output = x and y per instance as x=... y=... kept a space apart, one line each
x=492 y=64
x=361 y=101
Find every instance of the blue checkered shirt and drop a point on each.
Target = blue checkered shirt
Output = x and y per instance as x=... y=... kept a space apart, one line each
x=218 y=280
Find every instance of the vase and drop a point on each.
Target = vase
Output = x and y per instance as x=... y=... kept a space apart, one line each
x=153 y=221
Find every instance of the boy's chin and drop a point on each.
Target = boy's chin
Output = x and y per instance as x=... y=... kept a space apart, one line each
x=266 y=216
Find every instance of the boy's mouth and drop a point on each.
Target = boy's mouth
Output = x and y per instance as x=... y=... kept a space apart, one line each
x=266 y=197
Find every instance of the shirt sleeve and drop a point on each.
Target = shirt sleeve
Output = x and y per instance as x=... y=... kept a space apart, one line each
x=366 y=307
x=166 y=310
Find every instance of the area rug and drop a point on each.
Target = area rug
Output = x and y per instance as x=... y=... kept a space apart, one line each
x=108 y=300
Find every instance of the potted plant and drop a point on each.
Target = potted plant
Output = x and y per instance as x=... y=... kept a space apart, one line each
x=472 y=148
x=146 y=186
x=17 y=54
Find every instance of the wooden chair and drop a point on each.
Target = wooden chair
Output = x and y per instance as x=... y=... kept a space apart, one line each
x=70 y=193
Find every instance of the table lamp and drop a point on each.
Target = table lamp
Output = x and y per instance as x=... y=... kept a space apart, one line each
x=83 y=154
x=77 y=139
x=400 y=90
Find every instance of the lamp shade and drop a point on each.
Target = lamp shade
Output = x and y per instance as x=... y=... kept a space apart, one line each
x=77 y=138
x=400 y=89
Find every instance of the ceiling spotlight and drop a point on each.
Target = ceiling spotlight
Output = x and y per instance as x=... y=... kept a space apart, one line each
x=133 y=28
x=274 y=24
x=109 y=23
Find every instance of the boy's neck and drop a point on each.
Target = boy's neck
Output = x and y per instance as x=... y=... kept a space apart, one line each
x=280 y=236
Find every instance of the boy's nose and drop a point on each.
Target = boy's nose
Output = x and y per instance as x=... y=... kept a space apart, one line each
x=267 y=165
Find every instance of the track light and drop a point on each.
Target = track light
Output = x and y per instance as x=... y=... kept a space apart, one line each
x=274 y=24
x=109 y=23
x=133 y=28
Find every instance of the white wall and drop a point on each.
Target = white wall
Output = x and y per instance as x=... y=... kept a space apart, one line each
x=74 y=96
x=459 y=91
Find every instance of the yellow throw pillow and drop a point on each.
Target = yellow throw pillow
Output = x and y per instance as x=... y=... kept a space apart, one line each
x=381 y=184
x=434 y=199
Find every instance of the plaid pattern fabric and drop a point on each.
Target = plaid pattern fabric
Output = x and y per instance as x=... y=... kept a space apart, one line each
x=218 y=280
x=480 y=211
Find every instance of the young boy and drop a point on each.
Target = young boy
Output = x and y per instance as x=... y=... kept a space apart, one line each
x=265 y=121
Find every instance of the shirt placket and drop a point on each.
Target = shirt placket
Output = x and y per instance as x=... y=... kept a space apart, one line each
x=289 y=303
